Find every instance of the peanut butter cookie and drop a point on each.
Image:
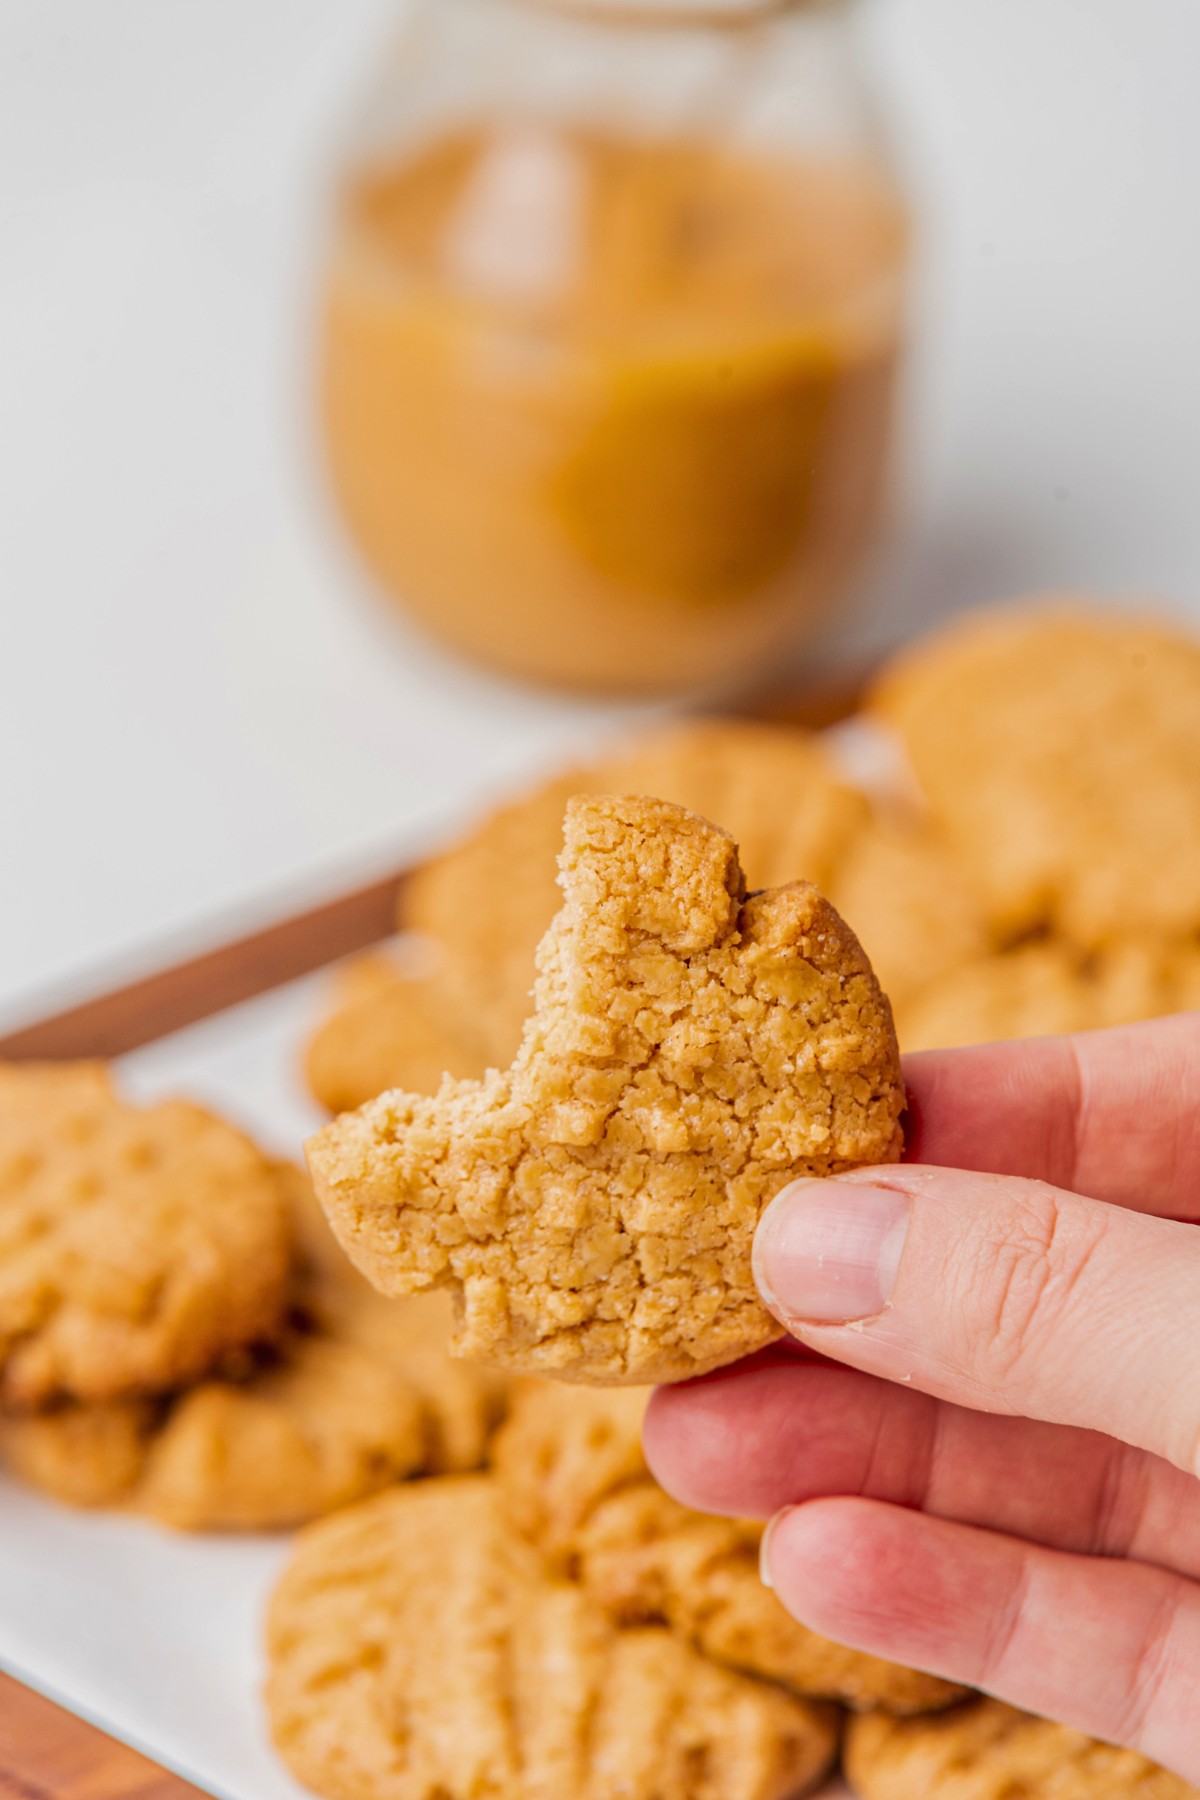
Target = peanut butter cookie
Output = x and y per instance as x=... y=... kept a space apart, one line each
x=986 y=1751
x=1059 y=747
x=359 y=1393
x=1037 y=990
x=576 y=1485
x=1144 y=978
x=138 y=1245
x=388 y=1030
x=488 y=901
x=418 y=1651
x=1047 y=987
x=691 y=1052
x=908 y=900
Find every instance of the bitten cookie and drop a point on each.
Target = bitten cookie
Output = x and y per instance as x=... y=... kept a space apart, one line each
x=138 y=1245
x=488 y=900
x=1059 y=747
x=691 y=1052
x=577 y=1487
x=418 y=1651
x=986 y=1751
x=359 y=1393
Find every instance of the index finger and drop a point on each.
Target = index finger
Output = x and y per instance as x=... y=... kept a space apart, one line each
x=1113 y=1114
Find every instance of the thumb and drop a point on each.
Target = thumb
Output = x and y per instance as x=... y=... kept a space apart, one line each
x=1002 y=1294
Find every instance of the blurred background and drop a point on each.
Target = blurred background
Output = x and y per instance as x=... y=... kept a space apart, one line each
x=207 y=717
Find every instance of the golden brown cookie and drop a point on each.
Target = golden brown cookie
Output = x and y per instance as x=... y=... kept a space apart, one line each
x=327 y=1420
x=908 y=900
x=359 y=1393
x=322 y=1428
x=488 y=901
x=577 y=1486
x=1047 y=987
x=85 y=1455
x=138 y=1245
x=388 y=1030
x=461 y=1403
x=1059 y=747
x=691 y=1052
x=1037 y=990
x=418 y=1651
x=1144 y=978
x=986 y=1751
x=27 y=1088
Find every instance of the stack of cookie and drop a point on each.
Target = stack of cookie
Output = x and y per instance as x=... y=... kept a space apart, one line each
x=180 y=1335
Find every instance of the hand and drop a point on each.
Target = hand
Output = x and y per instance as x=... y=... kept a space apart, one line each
x=1001 y=1486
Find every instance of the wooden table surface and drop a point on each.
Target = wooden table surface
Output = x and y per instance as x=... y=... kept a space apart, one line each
x=49 y=1754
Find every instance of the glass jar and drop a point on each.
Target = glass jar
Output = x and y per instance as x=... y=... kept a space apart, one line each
x=611 y=331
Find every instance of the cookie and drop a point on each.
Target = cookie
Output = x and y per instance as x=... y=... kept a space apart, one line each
x=577 y=1487
x=324 y=1422
x=89 y=1456
x=910 y=903
x=138 y=1245
x=1145 y=978
x=1059 y=748
x=323 y=1428
x=360 y=1393
x=691 y=1052
x=488 y=901
x=28 y=1088
x=461 y=1403
x=1037 y=990
x=986 y=1751
x=388 y=1030
x=1048 y=987
x=418 y=1651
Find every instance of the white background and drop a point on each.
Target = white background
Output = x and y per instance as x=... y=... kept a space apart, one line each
x=203 y=717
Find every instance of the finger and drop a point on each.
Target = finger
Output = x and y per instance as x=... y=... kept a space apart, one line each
x=1110 y=1648
x=750 y=1440
x=996 y=1293
x=1110 y=1114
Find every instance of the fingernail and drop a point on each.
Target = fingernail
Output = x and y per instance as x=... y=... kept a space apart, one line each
x=827 y=1252
x=764 y=1548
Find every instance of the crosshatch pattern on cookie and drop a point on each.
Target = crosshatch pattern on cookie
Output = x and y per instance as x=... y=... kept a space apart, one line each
x=577 y=1487
x=692 y=1050
x=138 y=1245
x=417 y=1650
x=1058 y=746
x=988 y=1751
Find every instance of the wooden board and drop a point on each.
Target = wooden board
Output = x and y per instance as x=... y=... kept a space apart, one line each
x=47 y=1753
x=146 y=1010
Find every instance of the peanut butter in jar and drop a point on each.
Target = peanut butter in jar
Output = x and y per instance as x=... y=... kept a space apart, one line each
x=609 y=397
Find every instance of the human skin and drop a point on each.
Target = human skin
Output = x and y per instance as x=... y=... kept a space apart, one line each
x=981 y=1449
